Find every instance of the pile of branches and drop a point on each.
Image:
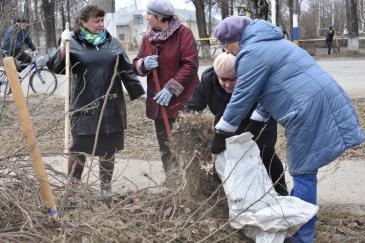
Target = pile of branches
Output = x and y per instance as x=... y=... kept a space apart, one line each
x=185 y=212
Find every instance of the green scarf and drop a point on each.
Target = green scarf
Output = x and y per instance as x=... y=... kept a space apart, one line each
x=95 y=39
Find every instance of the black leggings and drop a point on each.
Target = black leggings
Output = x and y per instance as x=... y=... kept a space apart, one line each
x=76 y=163
x=275 y=169
x=265 y=137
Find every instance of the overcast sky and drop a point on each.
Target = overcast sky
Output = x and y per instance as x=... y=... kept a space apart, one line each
x=141 y=4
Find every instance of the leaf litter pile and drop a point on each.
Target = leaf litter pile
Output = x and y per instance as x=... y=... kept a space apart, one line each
x=190 y=207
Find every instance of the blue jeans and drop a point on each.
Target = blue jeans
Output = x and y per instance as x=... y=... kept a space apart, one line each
x=305 y=188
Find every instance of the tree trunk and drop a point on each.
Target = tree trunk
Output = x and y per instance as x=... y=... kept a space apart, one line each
x=210 y=18
x=362 y=15
x=352 y=26
x=279 y=19
x=261 y=9
x=231 y=7
x=37 y=27
x=291 y=12
x=319 y=17
x=63 y=17
x=27 y=8
x=202 y=28
x=224 y=6
x=6 y=13
x=48 y=8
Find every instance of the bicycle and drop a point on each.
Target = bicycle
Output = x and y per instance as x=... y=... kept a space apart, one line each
x=41 y=80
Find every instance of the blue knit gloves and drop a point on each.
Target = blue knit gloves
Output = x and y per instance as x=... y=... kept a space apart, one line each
x=150 y=62
x=163 y=97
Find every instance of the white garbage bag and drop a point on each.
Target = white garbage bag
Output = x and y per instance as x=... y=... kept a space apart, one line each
x=254 y=205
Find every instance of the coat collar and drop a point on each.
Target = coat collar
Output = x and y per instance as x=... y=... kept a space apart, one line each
x=156 y=36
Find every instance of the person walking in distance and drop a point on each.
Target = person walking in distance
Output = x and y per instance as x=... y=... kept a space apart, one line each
x=329 y=39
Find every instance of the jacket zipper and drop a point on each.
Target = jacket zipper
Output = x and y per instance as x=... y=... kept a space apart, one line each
x=103 y=87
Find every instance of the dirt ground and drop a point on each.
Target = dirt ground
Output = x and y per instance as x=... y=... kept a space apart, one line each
x=336 y=223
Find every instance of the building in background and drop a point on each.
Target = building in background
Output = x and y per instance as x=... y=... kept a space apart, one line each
x=131 y=25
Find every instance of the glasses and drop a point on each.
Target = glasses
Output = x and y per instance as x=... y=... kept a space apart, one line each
x=225 y=46
x=228 y=79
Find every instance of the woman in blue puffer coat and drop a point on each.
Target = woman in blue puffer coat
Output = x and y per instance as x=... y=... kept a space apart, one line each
x=319 y=119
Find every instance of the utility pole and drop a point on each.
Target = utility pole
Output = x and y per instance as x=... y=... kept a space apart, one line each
x=273 y=12
x=333 y=13
x=319 y=17
x=295 y=22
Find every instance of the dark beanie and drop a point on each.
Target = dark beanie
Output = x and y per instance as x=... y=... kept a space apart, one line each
x=161 y=8
x=231 y=29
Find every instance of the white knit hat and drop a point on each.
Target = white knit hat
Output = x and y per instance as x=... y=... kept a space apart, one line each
x=161 y=8
x=224 y=65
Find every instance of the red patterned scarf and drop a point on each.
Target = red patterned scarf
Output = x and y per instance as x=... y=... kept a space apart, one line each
x=156 y=36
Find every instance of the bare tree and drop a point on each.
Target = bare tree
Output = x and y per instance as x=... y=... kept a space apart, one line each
x=261 y=9
x=202 y=27
x=352 y=25
x=280 y=16
x=37 y=24
x=8 y=13
x=362 y=15
x=223 y=5
x=48 y=7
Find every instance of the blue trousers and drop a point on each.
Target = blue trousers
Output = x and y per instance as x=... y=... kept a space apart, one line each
x=305 y=188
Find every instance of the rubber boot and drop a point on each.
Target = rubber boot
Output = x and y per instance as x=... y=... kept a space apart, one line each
x=106 y=168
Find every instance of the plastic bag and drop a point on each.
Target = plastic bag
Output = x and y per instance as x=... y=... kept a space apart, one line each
x=253 y=203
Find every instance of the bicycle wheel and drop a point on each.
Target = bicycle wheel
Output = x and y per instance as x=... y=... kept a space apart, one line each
x=43 y=82
x=4 y=82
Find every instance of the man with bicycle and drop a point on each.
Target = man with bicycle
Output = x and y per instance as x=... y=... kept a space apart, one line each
x=15 y=38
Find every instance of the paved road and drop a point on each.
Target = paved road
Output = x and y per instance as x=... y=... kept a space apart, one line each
x=341 y=182
x=349 y=73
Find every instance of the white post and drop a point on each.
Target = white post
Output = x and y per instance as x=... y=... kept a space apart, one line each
x=273 y=12
x=110 y=24
x=295 y=29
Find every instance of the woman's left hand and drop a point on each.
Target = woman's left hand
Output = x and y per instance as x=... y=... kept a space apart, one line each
x=163 y=97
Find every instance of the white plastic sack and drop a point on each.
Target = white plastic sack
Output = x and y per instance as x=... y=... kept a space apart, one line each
x=253 y=203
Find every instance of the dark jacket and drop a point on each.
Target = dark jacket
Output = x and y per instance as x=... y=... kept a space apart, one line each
x=92 y=68
x=178 y=66
x=14 y=39
x=210 y=93
x=330 y=34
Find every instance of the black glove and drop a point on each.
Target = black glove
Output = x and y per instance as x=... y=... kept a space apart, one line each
x=255 y=127
x=219 y=141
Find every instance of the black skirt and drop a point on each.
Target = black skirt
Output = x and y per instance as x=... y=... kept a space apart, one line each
x=107 y=145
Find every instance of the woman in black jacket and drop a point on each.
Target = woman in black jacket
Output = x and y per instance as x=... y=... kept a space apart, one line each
x=93 y=56
x=214 y=90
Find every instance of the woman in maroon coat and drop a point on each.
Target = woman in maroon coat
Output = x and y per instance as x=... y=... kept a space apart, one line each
x=170 y=48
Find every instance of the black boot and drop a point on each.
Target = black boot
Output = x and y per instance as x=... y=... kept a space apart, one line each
x=106 y=168
x=76 y=164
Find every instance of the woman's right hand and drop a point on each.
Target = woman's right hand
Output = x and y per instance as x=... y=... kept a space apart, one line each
x=65 y=36
x=150 y=62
